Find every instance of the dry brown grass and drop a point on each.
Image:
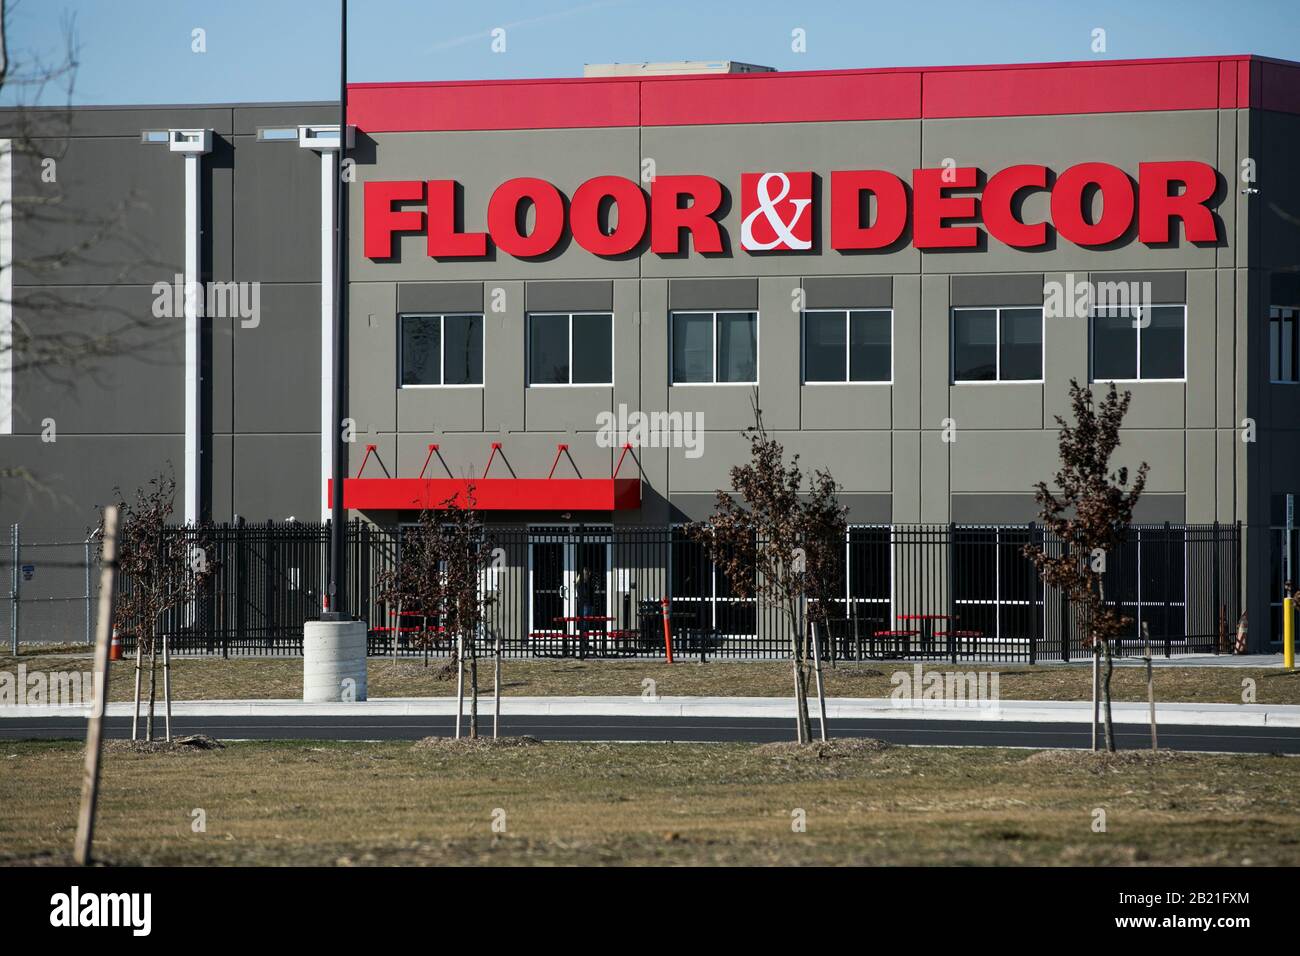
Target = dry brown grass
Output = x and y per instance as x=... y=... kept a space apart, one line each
x=563 y=803
x=243 y=678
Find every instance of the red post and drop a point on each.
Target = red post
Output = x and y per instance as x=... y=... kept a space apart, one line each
x=668 y=632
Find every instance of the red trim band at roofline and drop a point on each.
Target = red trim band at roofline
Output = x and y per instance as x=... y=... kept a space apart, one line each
x=896 y=93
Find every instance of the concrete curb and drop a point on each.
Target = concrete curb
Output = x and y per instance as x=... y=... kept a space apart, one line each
x=1218 y=715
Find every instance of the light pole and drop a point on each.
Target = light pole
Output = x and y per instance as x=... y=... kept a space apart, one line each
x=334 y=647
x=337 y=586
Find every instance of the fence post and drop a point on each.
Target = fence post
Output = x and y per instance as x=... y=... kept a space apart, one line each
x=1035 y=539
x=951 y=603
x=1220 y=633
x=13 y=591
x=1168 y=587
x=87 y=562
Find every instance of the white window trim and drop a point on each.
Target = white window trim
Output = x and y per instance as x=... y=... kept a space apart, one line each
x=758 y=347
x=1139 y=379
x=442 y=348
x=998 y=310
x=803 y=348
x=1295 y=319
x=528 y=351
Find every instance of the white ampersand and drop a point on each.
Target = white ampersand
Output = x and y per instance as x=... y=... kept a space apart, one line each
x=767 y=206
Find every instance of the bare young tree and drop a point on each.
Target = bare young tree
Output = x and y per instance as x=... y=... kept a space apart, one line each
x=779 y=545
x=440 y=574
x=1089 y=512
x=467 y=555
x=163 y=568
x=413 y=585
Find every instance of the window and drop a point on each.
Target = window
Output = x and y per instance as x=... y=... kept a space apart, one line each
x=862 y=580
x=702 y=589
x=714 y=348
x=996 y=590
x=1128 y=346
x=1283 y=344
x=847 y=346
x=997 y=345
x=1145 y=580
x=441 y=350
x=570 y=348
x=1284 y=556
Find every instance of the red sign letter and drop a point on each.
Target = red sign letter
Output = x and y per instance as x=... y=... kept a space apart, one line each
x=1000 y=193
x=382 y=220
x=668 y=217
x=584 y=215
x=1116 y=204
x=932 y=207
x=847 y=187
x=1157 y=205
x=503 y=217
x=443 y=240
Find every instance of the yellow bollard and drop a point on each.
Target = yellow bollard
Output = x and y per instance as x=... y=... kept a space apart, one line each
x=1288 y=633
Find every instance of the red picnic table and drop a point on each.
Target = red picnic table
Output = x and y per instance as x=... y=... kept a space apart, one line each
x=928 y=633
x=582 y=631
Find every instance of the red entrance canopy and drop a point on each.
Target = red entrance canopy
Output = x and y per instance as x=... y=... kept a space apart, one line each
x=491 y=494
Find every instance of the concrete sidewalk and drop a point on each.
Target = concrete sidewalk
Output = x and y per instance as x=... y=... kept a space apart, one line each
x=1029 y=711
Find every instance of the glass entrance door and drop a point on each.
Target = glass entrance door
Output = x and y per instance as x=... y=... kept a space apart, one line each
x=559 y=556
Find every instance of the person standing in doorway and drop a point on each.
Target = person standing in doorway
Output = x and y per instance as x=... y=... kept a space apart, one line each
x=586 y=593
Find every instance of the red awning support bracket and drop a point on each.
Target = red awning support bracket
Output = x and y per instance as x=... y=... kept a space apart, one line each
x=559 y=450
x=496 y=447
x=366 y=458
x=432 y=449
x=626 y=448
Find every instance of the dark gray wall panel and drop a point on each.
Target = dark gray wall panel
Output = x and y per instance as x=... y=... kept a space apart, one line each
x=713 y=294
x=994 y=509
x=976 y=290
x=277 y=211
x=569 y=296
x=277 y=476
x=849 y=292
x=136 y=389
x=1157 y=508
x=277 y=363
x=440 y=297
x=1168 y=287
x=75 y=476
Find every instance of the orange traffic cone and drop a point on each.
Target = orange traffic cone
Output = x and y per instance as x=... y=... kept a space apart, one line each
x=115 y=647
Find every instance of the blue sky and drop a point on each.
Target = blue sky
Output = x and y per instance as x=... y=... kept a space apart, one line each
x=139 y=51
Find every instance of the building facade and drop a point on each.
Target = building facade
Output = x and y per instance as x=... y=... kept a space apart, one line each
x=904 y=269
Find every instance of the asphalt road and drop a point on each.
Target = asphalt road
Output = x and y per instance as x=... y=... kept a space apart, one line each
x=954 y=733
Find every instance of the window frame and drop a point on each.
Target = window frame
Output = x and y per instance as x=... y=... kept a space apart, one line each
x=1292 y=315
x=528 y=350
x=997 y=349
x=715 y=579
x=848 y=313
x=1036 y=603
x=1092 y=378
x=714 y=313
x=442 y=349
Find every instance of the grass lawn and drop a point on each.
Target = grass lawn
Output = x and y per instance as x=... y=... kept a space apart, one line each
x=563 y=803
x=242 y=678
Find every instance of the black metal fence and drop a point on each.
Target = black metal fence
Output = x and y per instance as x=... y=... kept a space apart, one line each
x=924 y=592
